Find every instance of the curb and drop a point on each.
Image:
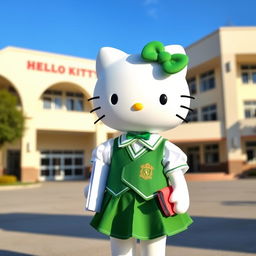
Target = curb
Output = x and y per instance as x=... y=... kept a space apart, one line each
x=15 y=187
x=218 y=176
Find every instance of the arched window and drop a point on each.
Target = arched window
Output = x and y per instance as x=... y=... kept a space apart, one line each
x=65 y=96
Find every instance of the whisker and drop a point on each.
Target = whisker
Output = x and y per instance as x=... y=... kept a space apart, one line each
x=187 y=96
x=99 y=119
x=94 y=98
x=186 y=108
x=95 y=109
x=182 y=118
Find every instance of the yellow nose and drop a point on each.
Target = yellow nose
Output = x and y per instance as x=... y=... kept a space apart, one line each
x=137 y=106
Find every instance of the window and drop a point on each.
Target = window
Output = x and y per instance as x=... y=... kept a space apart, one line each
x=68 y=161
x=57 y=103
x=192 y=85
x=79 y=161
x=47 y=102
x=245 y=78
x=56 y=162
x=211 y=152
x=254 y=77
x=209 y=113
x=192 y=116
x=70 y=104
x=248 y=74
x=79 y=171
x=79 y=105
x=52 y=99
x=45 y=161
x=251 y=151
x=74 y=101
x=250 y=109
x=207 y=81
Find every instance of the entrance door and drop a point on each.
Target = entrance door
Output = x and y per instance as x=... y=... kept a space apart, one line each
x=193 y=159
x=13 y=162
x=62 y=165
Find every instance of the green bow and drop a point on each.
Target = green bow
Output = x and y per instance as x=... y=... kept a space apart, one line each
x=171 y=63
x=144 y=135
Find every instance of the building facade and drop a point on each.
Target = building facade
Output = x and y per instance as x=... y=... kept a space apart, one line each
x=53 y=90
x=221 y=134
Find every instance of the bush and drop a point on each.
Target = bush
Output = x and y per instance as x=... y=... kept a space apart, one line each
x=252 y=173
x=8 y=179
x=12 y=119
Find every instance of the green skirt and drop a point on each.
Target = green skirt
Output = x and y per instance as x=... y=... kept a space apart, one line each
x=129 y=215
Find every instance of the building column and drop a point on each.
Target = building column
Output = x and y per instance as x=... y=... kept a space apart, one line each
x=232 y=126
x=29 y=156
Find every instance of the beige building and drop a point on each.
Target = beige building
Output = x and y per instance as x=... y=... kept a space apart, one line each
x=53 y=90
x=221 y=134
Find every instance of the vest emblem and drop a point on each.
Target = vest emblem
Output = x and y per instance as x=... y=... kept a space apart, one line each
x=146 y=171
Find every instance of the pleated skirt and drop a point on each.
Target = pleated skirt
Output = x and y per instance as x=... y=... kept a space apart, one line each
x=129 y=215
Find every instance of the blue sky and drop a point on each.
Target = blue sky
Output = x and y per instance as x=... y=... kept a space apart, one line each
x=81 y=27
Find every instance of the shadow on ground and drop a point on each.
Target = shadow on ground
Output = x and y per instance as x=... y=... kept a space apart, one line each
x=239 y=203
x=12 y=253
x=229 y=234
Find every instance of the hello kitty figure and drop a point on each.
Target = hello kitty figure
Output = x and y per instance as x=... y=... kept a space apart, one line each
x=140 y=95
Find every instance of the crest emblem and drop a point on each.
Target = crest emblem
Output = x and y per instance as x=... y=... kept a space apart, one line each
x=146 y=171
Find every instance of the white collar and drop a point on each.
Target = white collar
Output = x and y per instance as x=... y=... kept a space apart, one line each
x=151 y=143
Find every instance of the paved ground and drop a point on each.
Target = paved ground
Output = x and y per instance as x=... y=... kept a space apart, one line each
x=50 y=221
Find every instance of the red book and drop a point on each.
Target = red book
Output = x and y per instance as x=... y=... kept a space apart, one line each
x=163 y=197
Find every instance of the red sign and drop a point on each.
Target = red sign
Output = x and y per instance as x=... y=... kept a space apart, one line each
x=60 y=69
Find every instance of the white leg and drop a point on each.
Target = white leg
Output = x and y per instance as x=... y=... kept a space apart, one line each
x=123 y=247
x=153 y=247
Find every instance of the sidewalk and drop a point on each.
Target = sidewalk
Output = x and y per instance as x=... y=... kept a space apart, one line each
x=50 y=221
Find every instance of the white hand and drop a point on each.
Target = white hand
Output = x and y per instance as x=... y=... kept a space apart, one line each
x=180 y=195
x=181 y=200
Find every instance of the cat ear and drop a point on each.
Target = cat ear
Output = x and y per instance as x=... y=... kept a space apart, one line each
x=108 y=56
x=175 y=48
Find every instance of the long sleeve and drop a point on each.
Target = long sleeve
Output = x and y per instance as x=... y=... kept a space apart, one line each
x=174 y=158
x=101 y=158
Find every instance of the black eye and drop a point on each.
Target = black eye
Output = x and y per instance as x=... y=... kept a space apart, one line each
x=163 y=99
x=114 y=99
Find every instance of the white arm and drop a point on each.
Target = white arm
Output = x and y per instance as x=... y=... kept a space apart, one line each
x=180 y=195
x=174 y=161
x=101 y=158
x=97 y=186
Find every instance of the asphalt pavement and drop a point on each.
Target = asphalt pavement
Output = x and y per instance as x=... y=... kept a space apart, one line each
x=50 y=221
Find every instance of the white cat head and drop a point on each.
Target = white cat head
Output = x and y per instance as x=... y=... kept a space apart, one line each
x=134 y=95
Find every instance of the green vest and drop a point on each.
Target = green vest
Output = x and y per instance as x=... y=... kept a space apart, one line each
x=144 y=175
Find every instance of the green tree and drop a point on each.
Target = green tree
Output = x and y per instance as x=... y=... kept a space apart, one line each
x=12 y=120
